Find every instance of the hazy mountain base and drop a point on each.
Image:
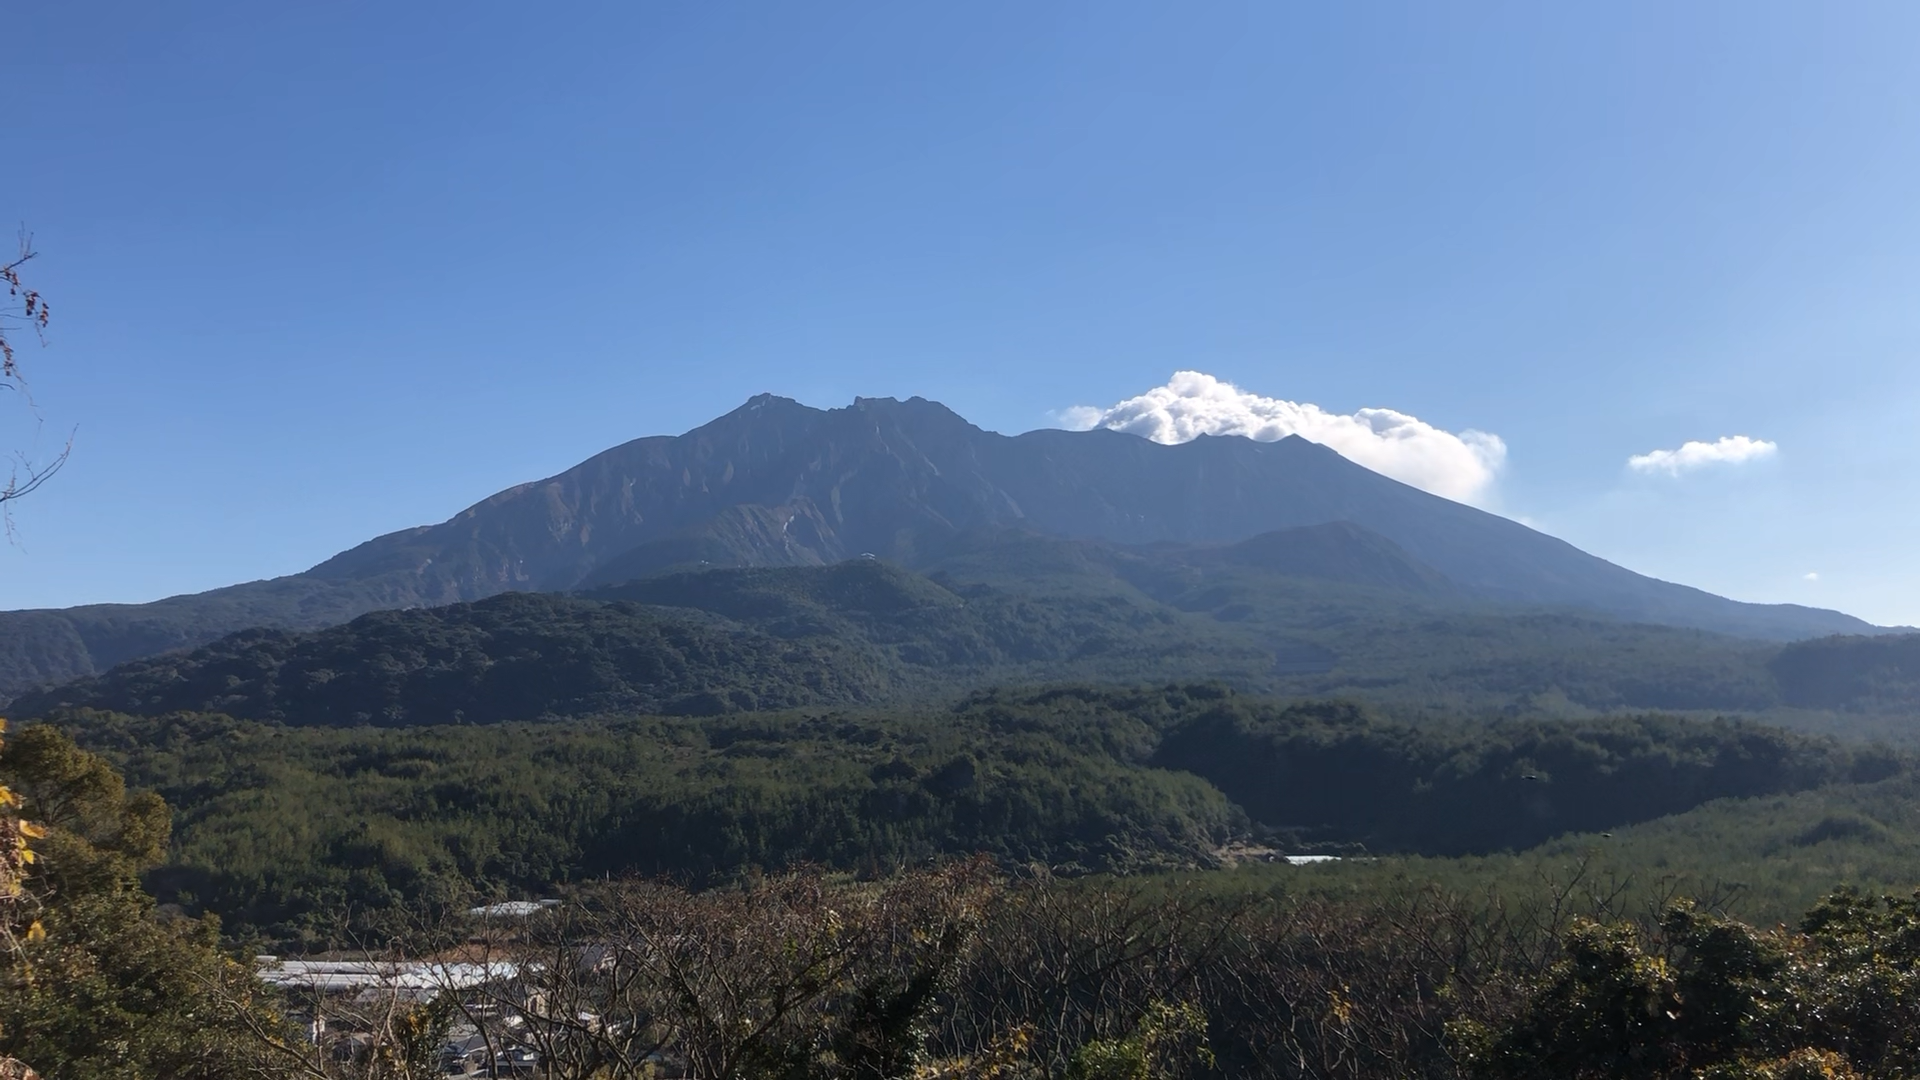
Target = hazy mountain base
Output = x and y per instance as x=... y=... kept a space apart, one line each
x=1021 y=610
x=47 y=646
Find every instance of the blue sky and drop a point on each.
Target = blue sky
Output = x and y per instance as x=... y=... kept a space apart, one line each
x=321 y=271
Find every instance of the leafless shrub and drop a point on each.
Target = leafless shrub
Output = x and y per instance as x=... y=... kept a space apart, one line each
x=958 y=972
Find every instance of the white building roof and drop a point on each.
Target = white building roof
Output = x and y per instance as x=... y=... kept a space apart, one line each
x=512 y=909
x=334 y=976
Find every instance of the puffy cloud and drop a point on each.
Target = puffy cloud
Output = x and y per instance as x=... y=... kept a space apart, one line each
x=1811 y=575
x=1731 y=450
x=1192 y=403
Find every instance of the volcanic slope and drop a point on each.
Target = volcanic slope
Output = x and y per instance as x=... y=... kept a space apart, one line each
x=777 y=483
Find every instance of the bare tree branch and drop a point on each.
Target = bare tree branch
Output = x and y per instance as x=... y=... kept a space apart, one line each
x=24 y=306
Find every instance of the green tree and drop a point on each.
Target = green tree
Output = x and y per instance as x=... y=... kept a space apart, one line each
x=1167 y=1040
x=17 y=907
x=109 y=986
x=1714 y=999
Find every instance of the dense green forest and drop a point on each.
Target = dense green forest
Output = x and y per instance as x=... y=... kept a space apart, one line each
x=968 y=969
x=1188 y=716
x=1031 y=610
x=1480 y=774
x=1851 y=672
x=285 y=828
x=708 y=643
x=1765 y=858
x=74 y=642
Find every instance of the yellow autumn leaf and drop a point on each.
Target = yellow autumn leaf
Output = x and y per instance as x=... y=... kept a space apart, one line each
x=31 y=831
x=36 y=932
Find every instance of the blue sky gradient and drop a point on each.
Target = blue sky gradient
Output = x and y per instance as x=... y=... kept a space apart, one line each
x=323 y=271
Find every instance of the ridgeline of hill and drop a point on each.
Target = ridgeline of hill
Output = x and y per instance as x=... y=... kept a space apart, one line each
x=1021 y=609
x=730 y=641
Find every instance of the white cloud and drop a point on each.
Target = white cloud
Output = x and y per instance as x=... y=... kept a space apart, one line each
x=1461 y=467
x=1730 y=450
x=1078 y=417
x=1811 y=575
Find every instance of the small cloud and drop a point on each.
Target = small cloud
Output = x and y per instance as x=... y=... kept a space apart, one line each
x=1192 y=403
x=1730 y=450
x=1811 y=575
x=1077 y=417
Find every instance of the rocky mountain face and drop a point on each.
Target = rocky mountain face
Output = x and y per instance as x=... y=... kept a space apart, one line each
x=778 y=483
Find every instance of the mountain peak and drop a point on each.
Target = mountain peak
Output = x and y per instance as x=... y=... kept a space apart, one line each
x=779 y=483
x=762 y=405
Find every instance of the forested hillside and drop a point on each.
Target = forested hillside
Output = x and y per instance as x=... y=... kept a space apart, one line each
x=1851 y=673
x=1016 y=609
x=980 y=968
x=286 y=828
x=854 y=633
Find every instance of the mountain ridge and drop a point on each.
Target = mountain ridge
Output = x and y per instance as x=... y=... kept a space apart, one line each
x=775 y=482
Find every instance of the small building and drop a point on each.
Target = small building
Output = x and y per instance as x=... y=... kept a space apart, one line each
x=512 y=909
